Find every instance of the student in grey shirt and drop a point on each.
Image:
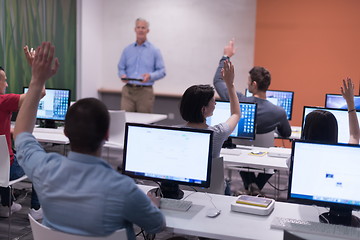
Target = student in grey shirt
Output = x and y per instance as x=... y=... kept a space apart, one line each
x=269 y=116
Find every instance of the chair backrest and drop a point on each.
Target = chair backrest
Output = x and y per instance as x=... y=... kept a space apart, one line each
x=117 y=126
x=41 y=232
x=217 y=182
x=261 y=140
x=4 y=162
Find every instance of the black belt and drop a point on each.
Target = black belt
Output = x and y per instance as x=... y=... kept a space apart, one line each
x=137 y=86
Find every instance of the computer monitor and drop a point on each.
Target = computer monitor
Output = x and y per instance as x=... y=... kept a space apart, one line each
x=246 y=127
x=326 y=175
x=283 y=99
x=341 y=116
x=53 y=106
x=170 y=155
x=337 y=101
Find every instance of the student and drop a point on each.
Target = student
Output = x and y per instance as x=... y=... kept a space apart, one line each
x=322 y=126
x=198 y=103
x=80 y=194
x=269 y=117
x=10 y=103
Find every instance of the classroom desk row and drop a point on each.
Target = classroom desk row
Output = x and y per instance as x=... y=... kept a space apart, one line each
x=233 y=225
x=57 y=136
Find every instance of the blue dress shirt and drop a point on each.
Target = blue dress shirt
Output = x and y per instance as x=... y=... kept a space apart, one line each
x=82 y=194
x=137 y=60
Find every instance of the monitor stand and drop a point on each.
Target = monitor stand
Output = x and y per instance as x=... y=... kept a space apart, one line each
x=48 y=123
x=228 y=143
x=340 y=216
x=168 y=189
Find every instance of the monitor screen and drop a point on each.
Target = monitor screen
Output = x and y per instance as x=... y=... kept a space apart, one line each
x=170 y=155
x=342 y=118
x=283 y=99
x=337 y=101
x=246 y=128
x=326 y=175
x=54 y=105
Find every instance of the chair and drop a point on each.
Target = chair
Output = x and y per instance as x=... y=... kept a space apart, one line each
x=217 y=182
x=41 y=232
x=5 y=172
x=117 y=127
x=261 y=140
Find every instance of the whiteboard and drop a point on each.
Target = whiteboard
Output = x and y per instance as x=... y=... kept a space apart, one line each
x=191 y=35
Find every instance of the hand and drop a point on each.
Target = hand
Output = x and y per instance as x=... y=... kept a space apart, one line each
x=228 y=72
x=146 y=77
x=30 y=55
x=347 y=91
x=124 y=76
x=42 y=65
x=229 y=50
x=154 y=199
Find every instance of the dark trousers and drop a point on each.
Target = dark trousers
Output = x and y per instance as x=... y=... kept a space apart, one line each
x=249 y=177
x=16 y=172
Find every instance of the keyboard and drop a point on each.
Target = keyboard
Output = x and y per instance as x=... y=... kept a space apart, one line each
x=49 y=130
x=317 y=228
x=230 y=151
x=174 y=204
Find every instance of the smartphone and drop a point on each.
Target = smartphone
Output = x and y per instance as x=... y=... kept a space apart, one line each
x=254 y=201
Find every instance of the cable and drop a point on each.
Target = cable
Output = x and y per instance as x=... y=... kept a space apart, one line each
x=278 y=189
x=212 y=201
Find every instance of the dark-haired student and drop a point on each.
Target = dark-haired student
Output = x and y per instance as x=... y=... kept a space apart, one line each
x=10 y=103
x=80 y=194
x=322 y=126
x=269 y=116
x=198 y=103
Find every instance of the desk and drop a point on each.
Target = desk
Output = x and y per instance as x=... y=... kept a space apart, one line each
x=145 y=118
x=247 y=160
x=232 y=225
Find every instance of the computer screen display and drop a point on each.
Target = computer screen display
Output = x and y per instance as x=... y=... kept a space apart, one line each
x=54 y=105
x=342 y=118
x=337 y=101
x=171 y=154
x=283 y=99
x=325 y=175
x=246 y=127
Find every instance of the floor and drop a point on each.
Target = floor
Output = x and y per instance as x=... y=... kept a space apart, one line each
x=20 y=226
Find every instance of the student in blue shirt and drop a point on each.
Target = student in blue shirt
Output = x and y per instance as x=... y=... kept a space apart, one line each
x=143 y=61
x=80 y=193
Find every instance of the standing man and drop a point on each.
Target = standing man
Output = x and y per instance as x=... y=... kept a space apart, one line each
x=140 y=65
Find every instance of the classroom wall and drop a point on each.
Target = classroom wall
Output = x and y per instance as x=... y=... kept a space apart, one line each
x=308 y=46
x=191 y=35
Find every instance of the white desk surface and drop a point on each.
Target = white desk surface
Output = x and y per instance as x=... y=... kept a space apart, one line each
x=232 y=225
x=52 y=135
x=246 y=159
x=145 y=118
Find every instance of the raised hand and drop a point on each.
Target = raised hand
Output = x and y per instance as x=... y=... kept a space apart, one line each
x=30 y=55
x=228 y=72
x=229 y=50
x=347 y=91
x=43 y=67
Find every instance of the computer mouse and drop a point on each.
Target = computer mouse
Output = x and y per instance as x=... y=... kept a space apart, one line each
x=213 y=212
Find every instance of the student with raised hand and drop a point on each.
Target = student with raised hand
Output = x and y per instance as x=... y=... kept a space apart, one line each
x=347 y=91
x=80 y=193
x=198 y=103
x=10 y=103
x=322 y=126
x=269 y=117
